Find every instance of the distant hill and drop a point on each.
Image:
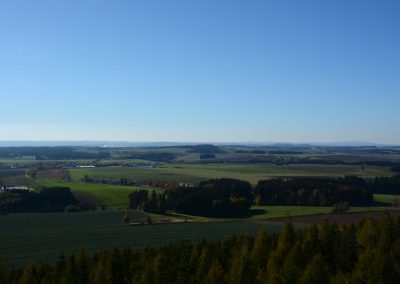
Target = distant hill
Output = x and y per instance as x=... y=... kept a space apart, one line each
x=100 y=143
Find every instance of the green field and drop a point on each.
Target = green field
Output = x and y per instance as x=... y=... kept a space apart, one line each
x=115 y=196
x=194 y=173
x=386 y=198
x=265 y=212
x=139 y=174
x=112 y=195
x=46 y=236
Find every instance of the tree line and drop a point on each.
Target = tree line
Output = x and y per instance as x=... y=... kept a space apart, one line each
x=54 y=153
x=386 y=185
x=45 y=199
x=215 y=198
x=328 y=253
x=232 y=198
x=313 y=191
x=155 y=203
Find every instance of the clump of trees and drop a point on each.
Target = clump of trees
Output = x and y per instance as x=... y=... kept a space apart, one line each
x=204 y=149
x=153 y=203
x=45 y=199
x=218 y=197
x=207 y=156
x=152 y=156
x=329 y=253
x=396 y=168
x=126 y=219
x=232 y=198
x=313 y=191
x=386 y=185
x=54 y=153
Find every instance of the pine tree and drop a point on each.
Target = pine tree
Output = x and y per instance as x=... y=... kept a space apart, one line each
x=204 y=263
x=293 y=265
x=287 y=237
x=82 y=266
x=367 y=268
x=240 y=270
x=100 y=274
x=263 y=245
x=347 y=252
x=311 y=243
x=367 y=234
x=216 y=274
x=316 y=272
x=33 y=273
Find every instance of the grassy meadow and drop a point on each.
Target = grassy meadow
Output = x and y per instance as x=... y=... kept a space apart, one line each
x=386 y=198
x=194 y=173
x=114 y=196
x=266 y=212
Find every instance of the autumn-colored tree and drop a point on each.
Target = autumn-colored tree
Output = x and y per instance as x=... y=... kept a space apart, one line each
x=126 y=218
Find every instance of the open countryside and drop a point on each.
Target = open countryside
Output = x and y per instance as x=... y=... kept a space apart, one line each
x=107 y=184
x=203 y=141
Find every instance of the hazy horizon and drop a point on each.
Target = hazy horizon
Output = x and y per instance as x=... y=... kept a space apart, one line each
x=285 y=71
x=112 y=143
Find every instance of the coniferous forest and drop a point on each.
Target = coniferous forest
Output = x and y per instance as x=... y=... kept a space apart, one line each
x=326 y=253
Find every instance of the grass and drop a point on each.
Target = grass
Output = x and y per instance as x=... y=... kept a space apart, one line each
x=111 y=195
x=386 y=198
x=194 y=173
x=45 y=236
x=266 y=212
x=139 y=174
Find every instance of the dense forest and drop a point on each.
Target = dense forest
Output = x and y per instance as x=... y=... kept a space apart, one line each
x=45 y=199
x=386 y=185
x=324 y=191
x=151 y=156
x=204 y=149
x=233 y=198
x=54 y=153
x=217 y=198
x=328 y=253
x=313 y=191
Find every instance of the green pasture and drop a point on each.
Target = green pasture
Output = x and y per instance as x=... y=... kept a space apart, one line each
x=140 y=174
x=45 y=236
x=194 y=173
x=266 y=212
x=260 y=171
x=112 y=195
x=386 y=198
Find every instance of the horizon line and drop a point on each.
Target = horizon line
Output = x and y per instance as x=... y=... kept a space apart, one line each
x=246 y=143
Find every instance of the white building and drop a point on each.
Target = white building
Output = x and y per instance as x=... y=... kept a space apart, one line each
x=11 y=188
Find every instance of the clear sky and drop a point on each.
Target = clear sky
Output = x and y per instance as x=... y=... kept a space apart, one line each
x=204 y=70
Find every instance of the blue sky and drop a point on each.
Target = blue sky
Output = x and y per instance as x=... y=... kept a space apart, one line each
x=258 y=70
